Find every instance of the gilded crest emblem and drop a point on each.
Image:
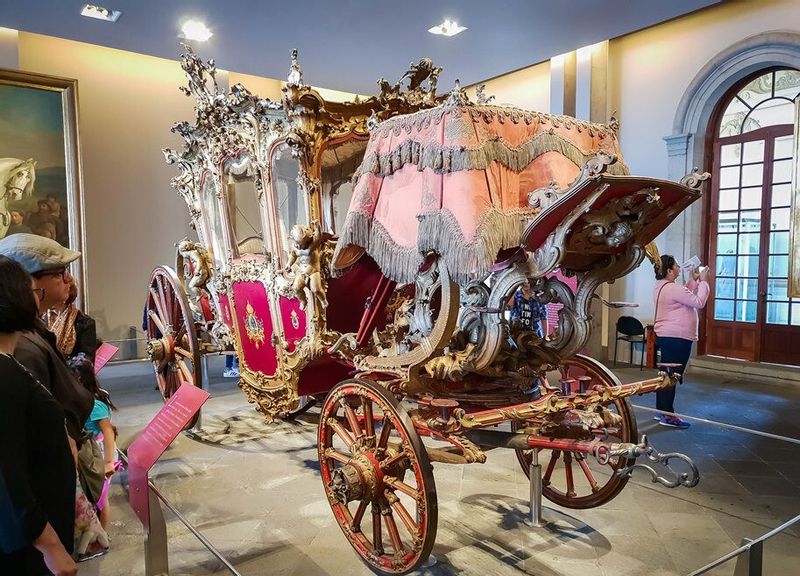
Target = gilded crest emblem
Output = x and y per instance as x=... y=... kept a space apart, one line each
x=295 y=319
x=254 y=327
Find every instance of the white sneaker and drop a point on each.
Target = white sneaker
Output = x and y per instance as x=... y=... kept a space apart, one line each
x=230 y=373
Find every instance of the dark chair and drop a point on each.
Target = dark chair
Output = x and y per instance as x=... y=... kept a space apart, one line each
x=631 y=331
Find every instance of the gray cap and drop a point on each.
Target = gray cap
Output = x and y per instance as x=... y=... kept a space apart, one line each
x=36 y=253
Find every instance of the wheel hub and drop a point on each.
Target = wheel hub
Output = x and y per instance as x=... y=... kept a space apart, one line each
x=160 y=348
x=361 y=478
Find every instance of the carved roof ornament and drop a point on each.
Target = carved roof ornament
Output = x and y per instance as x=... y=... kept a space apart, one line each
x=415 y=93
x=480 y=95
x=695 y=179
x=457 y=97
x=295 y=72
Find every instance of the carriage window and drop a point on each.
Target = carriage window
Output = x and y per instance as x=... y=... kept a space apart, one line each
x=212 y=220
x=290 y=207
x=339 y=163
x=245 y=213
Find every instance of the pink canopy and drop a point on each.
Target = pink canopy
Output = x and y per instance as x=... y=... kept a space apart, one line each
x=455 y=180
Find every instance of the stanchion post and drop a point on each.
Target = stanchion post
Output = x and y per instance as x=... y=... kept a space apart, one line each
x=156 y=555
x=535 y=473
x=750 y=563
x=198 y=427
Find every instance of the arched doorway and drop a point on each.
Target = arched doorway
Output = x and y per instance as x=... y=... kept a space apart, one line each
x=750 y=315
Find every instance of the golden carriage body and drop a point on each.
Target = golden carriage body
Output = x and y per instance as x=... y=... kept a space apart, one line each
x=363 y=254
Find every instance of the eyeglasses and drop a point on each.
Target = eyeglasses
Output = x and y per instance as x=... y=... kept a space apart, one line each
x=39 y=293
x=63 y=272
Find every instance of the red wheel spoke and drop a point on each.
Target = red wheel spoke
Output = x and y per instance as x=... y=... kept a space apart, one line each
x=393 y=460
x=402 y=513
x=554 y=456
x=568 y=473
x=377 y=538
x=157 y=321
x=339 y=430
x=402 y=487
x=161 y=316
x=386 y=429
x=355 y=525
x=588 y=473
x=183 y=352
x=352 y=419
x=334 y=454
x=369 y=424
x=394 y=535
x=184 y=370
x=164 y=301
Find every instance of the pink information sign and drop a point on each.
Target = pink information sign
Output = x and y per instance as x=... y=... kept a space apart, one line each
x=148 y=447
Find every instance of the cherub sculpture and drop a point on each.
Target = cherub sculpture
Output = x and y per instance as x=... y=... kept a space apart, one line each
x=305 y=263
x=195 y=263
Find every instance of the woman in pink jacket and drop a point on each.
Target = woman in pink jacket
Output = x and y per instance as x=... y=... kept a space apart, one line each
x=676 y=325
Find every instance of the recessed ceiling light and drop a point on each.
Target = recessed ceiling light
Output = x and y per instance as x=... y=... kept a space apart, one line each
x=101 y=13
x=447 y=28
x=196 y=30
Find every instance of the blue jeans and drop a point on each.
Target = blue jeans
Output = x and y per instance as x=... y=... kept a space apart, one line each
x=676 y=351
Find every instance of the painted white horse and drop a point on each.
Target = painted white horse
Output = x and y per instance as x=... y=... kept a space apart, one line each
x=17 y=178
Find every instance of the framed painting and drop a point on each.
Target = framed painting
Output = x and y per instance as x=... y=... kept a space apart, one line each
x=40 y=182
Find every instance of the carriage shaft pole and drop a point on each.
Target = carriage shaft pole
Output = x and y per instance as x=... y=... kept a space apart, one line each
x=522 y=441
x=551 y=403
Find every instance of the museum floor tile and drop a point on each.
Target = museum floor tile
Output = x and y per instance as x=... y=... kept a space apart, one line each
x=254 y=491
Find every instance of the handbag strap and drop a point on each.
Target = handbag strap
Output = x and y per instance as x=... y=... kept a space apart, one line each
x=658 y=297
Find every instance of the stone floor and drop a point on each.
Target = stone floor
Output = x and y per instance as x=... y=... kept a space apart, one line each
x=254 y=491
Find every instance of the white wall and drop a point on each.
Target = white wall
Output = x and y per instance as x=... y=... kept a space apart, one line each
x=649 y=73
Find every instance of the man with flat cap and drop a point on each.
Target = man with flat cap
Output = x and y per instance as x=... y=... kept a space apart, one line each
x=48 y=262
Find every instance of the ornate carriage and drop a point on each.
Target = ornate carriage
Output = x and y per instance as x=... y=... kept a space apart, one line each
x=363 y=254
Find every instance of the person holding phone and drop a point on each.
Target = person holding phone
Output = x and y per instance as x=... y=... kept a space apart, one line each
x=676 y=321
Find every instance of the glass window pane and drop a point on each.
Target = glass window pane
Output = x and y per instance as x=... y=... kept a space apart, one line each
x=723 y=310
x=787 y=83
x=726 y=244
x=751 y=198
x=752 y=175
x=779 y=219
x=783 y=147
x=754 y=151
x=724 y=288
x=727 y=222
x=777 y=312
x=747 y=289
x=770 y=113
x=731 y=154
x=729 y=177
x=749 y=243
x=795 y=313
x=779 y=266
x=747 y=266
x=782 y=171
x=726 y=266
x=757 y=90
x=777 y=289
x=746 y=311
x=781 y=194
x=729 y=199
x=779 y=242
x=289 y=198
x=750 y=221
x=731 y=123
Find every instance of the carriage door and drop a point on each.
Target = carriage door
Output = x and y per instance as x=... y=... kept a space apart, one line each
x=751 y=316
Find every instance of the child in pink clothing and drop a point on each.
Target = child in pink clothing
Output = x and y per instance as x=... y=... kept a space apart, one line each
x=676 y=325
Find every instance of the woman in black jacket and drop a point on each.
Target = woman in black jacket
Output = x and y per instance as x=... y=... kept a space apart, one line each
x=37 y=470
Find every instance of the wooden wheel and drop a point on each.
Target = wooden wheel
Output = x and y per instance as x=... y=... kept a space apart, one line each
x=172 y=343
x=377 y=477
x=575 y=480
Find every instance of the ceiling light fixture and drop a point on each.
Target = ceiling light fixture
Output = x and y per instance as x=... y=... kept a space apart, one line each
x=196 y=30
x=447 y=28
x=101 y=13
